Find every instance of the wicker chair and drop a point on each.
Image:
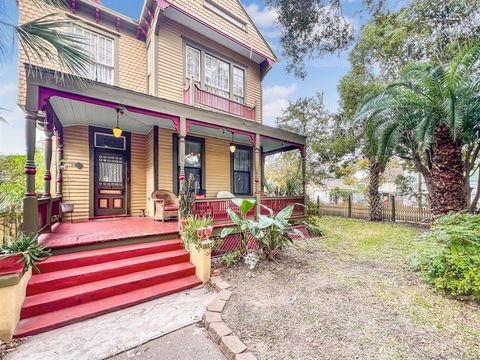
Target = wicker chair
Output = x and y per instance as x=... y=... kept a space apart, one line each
x=166 y=205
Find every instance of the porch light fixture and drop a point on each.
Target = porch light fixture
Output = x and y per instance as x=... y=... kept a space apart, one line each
x=117 y=131
x=232 y=145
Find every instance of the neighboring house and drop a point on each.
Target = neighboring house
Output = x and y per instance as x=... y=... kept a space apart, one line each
x=184 y=84
x=324 y=192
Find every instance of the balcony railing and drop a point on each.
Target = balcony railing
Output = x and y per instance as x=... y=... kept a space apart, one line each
x=209 y=100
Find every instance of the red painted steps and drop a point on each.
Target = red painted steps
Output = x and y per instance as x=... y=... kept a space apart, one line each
x=56 y=319
x=77 y=286
x=91 y=257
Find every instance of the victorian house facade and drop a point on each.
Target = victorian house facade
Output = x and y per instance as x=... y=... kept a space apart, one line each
x=172 y=95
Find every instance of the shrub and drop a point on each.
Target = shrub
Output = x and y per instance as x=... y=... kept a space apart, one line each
x=449 y=255
x=231 y=258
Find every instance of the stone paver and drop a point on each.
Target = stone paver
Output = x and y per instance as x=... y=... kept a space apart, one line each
x=216 y=305
x=224 y=295
x=211 y=317
x=219 y=284
x=218 y=330
x=231 y=346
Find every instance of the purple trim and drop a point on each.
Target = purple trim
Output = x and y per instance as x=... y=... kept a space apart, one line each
x=97 y=15
x=163 y=4
x=30 y=171
x=74 y=7
x=44 y=95
x=117 y=24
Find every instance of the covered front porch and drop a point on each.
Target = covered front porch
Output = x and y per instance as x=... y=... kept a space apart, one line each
x=161 y=144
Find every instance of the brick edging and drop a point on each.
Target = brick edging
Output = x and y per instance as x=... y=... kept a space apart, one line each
x=230 y=345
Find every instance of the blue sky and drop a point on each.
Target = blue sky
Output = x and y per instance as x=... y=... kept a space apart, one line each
x=279 y=87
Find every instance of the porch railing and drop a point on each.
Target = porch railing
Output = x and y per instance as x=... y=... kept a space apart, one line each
x=193 y=95
x=48 y=213
x=277 y=203
x=217 y=208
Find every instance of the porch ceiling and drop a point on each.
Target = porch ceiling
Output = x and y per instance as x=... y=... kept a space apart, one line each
x=73 y=112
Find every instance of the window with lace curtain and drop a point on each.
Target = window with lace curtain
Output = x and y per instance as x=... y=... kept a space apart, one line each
x=192 y=64
x=217 y=76
x=100 y=48
x=238 y=84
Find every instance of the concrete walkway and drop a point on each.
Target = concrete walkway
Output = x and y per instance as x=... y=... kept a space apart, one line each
x=189 y=343
x=113 y=333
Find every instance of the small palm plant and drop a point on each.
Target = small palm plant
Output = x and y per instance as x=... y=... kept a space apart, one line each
x=27 y=249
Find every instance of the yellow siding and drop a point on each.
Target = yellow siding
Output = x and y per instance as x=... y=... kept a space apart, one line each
x=170 y=64
x=138 y=183
x=217 y=166
x=76 y=186
x=132 y=58
x=165 y=159
x=249 y=36
x=149 y=173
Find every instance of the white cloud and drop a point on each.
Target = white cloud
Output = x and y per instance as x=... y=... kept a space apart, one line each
x=275 y=100
x=264 y=18
x=8 y=88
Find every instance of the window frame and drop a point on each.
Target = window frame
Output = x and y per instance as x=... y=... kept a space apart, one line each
x=232 y=63
x=176 y=165
x=233 y=171
x=115 y=48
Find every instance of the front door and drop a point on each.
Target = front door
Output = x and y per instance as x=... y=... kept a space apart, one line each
x=110 y=183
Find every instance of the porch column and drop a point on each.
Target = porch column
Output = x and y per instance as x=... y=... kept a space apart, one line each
x=304 y=182
x=30 y=206
x=59 y=135
x=47 y=144
x=181 y=150
x=258 y=174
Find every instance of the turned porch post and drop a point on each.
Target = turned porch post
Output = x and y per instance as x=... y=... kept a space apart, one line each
x=304 y=182
x=47 y=144
x=30 y=204
x=258 y=174
x=59 y=135
x=181 y=151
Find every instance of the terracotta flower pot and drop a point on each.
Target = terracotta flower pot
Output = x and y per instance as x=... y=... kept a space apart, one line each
x=205 y=232
x=11 y=264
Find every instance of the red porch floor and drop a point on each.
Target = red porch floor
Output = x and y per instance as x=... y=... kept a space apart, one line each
x=98 y=231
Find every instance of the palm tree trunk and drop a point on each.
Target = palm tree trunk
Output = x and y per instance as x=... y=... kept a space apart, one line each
x=374 y=197
x=447 y=193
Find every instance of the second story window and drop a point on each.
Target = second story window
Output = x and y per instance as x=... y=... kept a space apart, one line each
x=238 y=84
x=217 y=73
x=192 y=63
x=100 y=48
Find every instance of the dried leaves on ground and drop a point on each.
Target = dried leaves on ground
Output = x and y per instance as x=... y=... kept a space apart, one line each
x=349 y=295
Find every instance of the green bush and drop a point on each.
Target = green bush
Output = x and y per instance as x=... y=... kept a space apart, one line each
x=449 y=255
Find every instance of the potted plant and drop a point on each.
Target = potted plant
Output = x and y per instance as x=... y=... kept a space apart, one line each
x=21 y=254
x=197 y=231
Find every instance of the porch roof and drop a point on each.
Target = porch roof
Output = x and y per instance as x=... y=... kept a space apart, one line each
x=93 y=103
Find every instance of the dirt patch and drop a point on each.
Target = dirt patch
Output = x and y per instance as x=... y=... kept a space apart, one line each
x=5 y=348
x=346 y=296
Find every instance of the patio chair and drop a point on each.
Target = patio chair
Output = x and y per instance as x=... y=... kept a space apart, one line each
x=166 y=205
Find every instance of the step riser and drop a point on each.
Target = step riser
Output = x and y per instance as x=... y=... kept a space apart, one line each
x=28 y=331
x=97 y=294
x=56 y=284
x=59 y=265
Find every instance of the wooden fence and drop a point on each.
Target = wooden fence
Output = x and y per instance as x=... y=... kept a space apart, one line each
x=392 y=210
x=10 y=222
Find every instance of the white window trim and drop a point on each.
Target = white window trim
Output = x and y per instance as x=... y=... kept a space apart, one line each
x=199 y=60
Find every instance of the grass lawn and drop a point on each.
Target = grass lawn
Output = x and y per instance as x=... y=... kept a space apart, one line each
x=349 y=295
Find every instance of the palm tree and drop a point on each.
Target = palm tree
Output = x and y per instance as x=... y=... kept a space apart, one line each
x=47 y=39
x=437 y=105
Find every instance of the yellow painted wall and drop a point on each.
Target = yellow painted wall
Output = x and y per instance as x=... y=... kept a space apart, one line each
x=171 y=80
x=149 y=174
x=217 y=166
x=138 y=169
x=165 y=159
x=76 y=186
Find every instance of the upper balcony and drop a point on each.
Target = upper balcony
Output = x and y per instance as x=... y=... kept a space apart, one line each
x=195 y=96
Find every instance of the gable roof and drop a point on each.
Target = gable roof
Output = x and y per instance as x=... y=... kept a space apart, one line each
x=225 y=21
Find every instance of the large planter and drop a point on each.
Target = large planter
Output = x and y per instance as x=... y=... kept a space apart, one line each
x=10 y=264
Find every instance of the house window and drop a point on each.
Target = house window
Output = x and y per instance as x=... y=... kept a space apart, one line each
x=217 y=76
x=242 y=171
x=192 y=63
x=100 y=49
x=238 y=84
x=194 y=160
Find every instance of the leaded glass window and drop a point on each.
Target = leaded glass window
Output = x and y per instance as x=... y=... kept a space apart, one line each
x=217 y=76
x=242 y=171
x=192 y=64
x=238 y=84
